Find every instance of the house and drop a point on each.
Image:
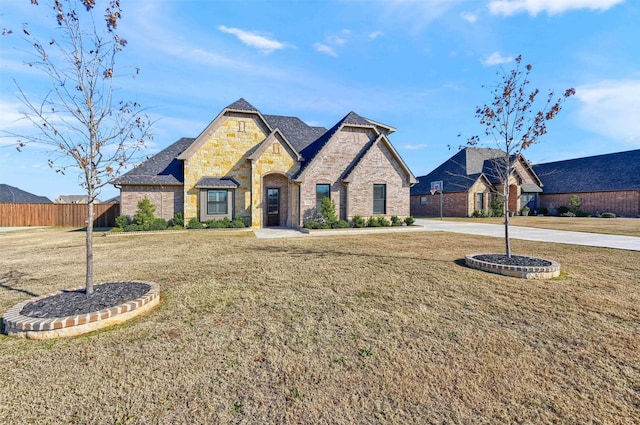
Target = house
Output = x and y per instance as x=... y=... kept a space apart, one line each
x=470 y=180
x=273 y=170
x=604 y=183
x=10 y=194
x=73 y=199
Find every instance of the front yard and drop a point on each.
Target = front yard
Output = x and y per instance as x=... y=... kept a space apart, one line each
x=387 y=328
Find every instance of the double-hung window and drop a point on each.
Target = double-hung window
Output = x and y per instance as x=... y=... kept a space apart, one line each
x=217 y=201
x=379 y=198
x=322 y=191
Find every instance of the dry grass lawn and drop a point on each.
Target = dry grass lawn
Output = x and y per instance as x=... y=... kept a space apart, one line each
x=611 y=226
x=387 y=328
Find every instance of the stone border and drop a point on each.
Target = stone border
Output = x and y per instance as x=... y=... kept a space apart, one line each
x=16 y=324
x=523 y=272
x=347 y=230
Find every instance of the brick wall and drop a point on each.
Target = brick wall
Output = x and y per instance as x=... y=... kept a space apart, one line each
x=167 y=199
x=622 y=203
x=454 y=204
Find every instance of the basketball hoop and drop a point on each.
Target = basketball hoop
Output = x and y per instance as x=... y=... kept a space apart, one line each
x=433 y=191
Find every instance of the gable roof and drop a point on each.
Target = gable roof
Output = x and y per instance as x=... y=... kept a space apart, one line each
x=460 y=172
x=161 y=169
x=11 y=194
x=608 y=172
x=297 y=132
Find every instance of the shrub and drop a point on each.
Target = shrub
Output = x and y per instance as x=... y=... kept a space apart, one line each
x=122 y=221
x=117 y=229
x=481 y=213
x=583 y=214
x=496 y=207
x=574 y=204
x=238 y=222
x=395 y=221
x=178 y=219
x=340 y=224
x=373 y=222
x=133 y=228
x=328 y=211
x=409 y=220
x=158 y=224
x=194 y=223
x=563 y=210
x=608 y=215
x=223 y=223
x=567 y=214
x=543 y=211
x=384 y=222
x=358 y=221
x=315 y=224
x=145 y=213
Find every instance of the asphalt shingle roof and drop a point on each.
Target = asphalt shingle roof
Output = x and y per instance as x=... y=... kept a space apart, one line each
x=453 y=174
x=217 y=183
x=608 y=172
x=162 y=168
x=11 y=194
x=242 y=105
x=299 y=134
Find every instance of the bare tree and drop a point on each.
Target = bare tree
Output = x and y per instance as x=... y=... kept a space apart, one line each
x=510 y=121
x=79 y=119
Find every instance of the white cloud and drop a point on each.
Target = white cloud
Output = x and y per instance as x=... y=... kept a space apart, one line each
x=610 y=108
x=260 y=42
x=323 y=48
x=496 y=58
x=469 y=17
x=414 y=147
x=551 y=7
x=375 y=34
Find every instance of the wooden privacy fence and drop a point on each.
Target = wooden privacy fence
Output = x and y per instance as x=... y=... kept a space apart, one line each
x=65 y=215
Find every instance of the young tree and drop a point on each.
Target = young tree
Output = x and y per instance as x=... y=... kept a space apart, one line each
x=513 y=125
x=78 y=119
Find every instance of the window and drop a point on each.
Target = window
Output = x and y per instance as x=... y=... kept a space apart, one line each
x=217 y=202
x=322 y=191
x=423 y=200
x=479 y=201
x=379 y=198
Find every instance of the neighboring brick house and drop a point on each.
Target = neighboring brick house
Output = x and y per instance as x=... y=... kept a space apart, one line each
x=469 y=183
x=274 y=170
x=604 y=183
x=13 y=195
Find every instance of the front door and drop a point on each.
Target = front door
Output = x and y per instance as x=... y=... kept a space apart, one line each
x=273 y=207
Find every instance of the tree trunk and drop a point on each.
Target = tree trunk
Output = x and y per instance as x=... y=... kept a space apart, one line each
x=89 y=277
x=507 y=242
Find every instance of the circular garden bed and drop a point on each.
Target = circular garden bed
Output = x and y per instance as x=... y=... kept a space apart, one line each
x=71 y=312
x=516 y=266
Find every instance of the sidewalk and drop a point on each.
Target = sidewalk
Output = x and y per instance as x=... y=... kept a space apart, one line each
x=493 y=230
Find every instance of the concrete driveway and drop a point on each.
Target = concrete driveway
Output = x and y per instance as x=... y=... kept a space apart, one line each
x=631 y=243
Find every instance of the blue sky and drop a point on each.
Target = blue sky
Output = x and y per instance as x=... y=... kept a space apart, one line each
x=418 y=66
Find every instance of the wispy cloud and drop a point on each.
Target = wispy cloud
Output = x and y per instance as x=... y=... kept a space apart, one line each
x=323 y=48
x=469 y=17
x=260 y=42
x=496 y=58
x=551 y=7
x=610 y=108
x=375 y=34
x=414 y=146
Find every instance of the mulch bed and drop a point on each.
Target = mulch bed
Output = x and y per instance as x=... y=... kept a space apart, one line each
x=71 y=303
x=514 y=260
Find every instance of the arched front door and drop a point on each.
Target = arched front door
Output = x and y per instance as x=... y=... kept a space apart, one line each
x=275 y=189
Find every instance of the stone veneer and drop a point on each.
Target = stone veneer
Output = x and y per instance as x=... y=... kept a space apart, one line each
x=16 y=324
x=524 y=272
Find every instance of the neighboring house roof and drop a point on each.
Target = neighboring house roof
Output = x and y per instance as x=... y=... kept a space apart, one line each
x=11 y=194
x=463 y=169
x=73 y=199
x=608 y=172
x=161 y=169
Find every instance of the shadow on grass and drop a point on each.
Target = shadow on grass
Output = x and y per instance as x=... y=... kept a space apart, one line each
x=10 y=279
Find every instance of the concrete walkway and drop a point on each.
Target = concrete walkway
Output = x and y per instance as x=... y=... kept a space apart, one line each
x=631 y=243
